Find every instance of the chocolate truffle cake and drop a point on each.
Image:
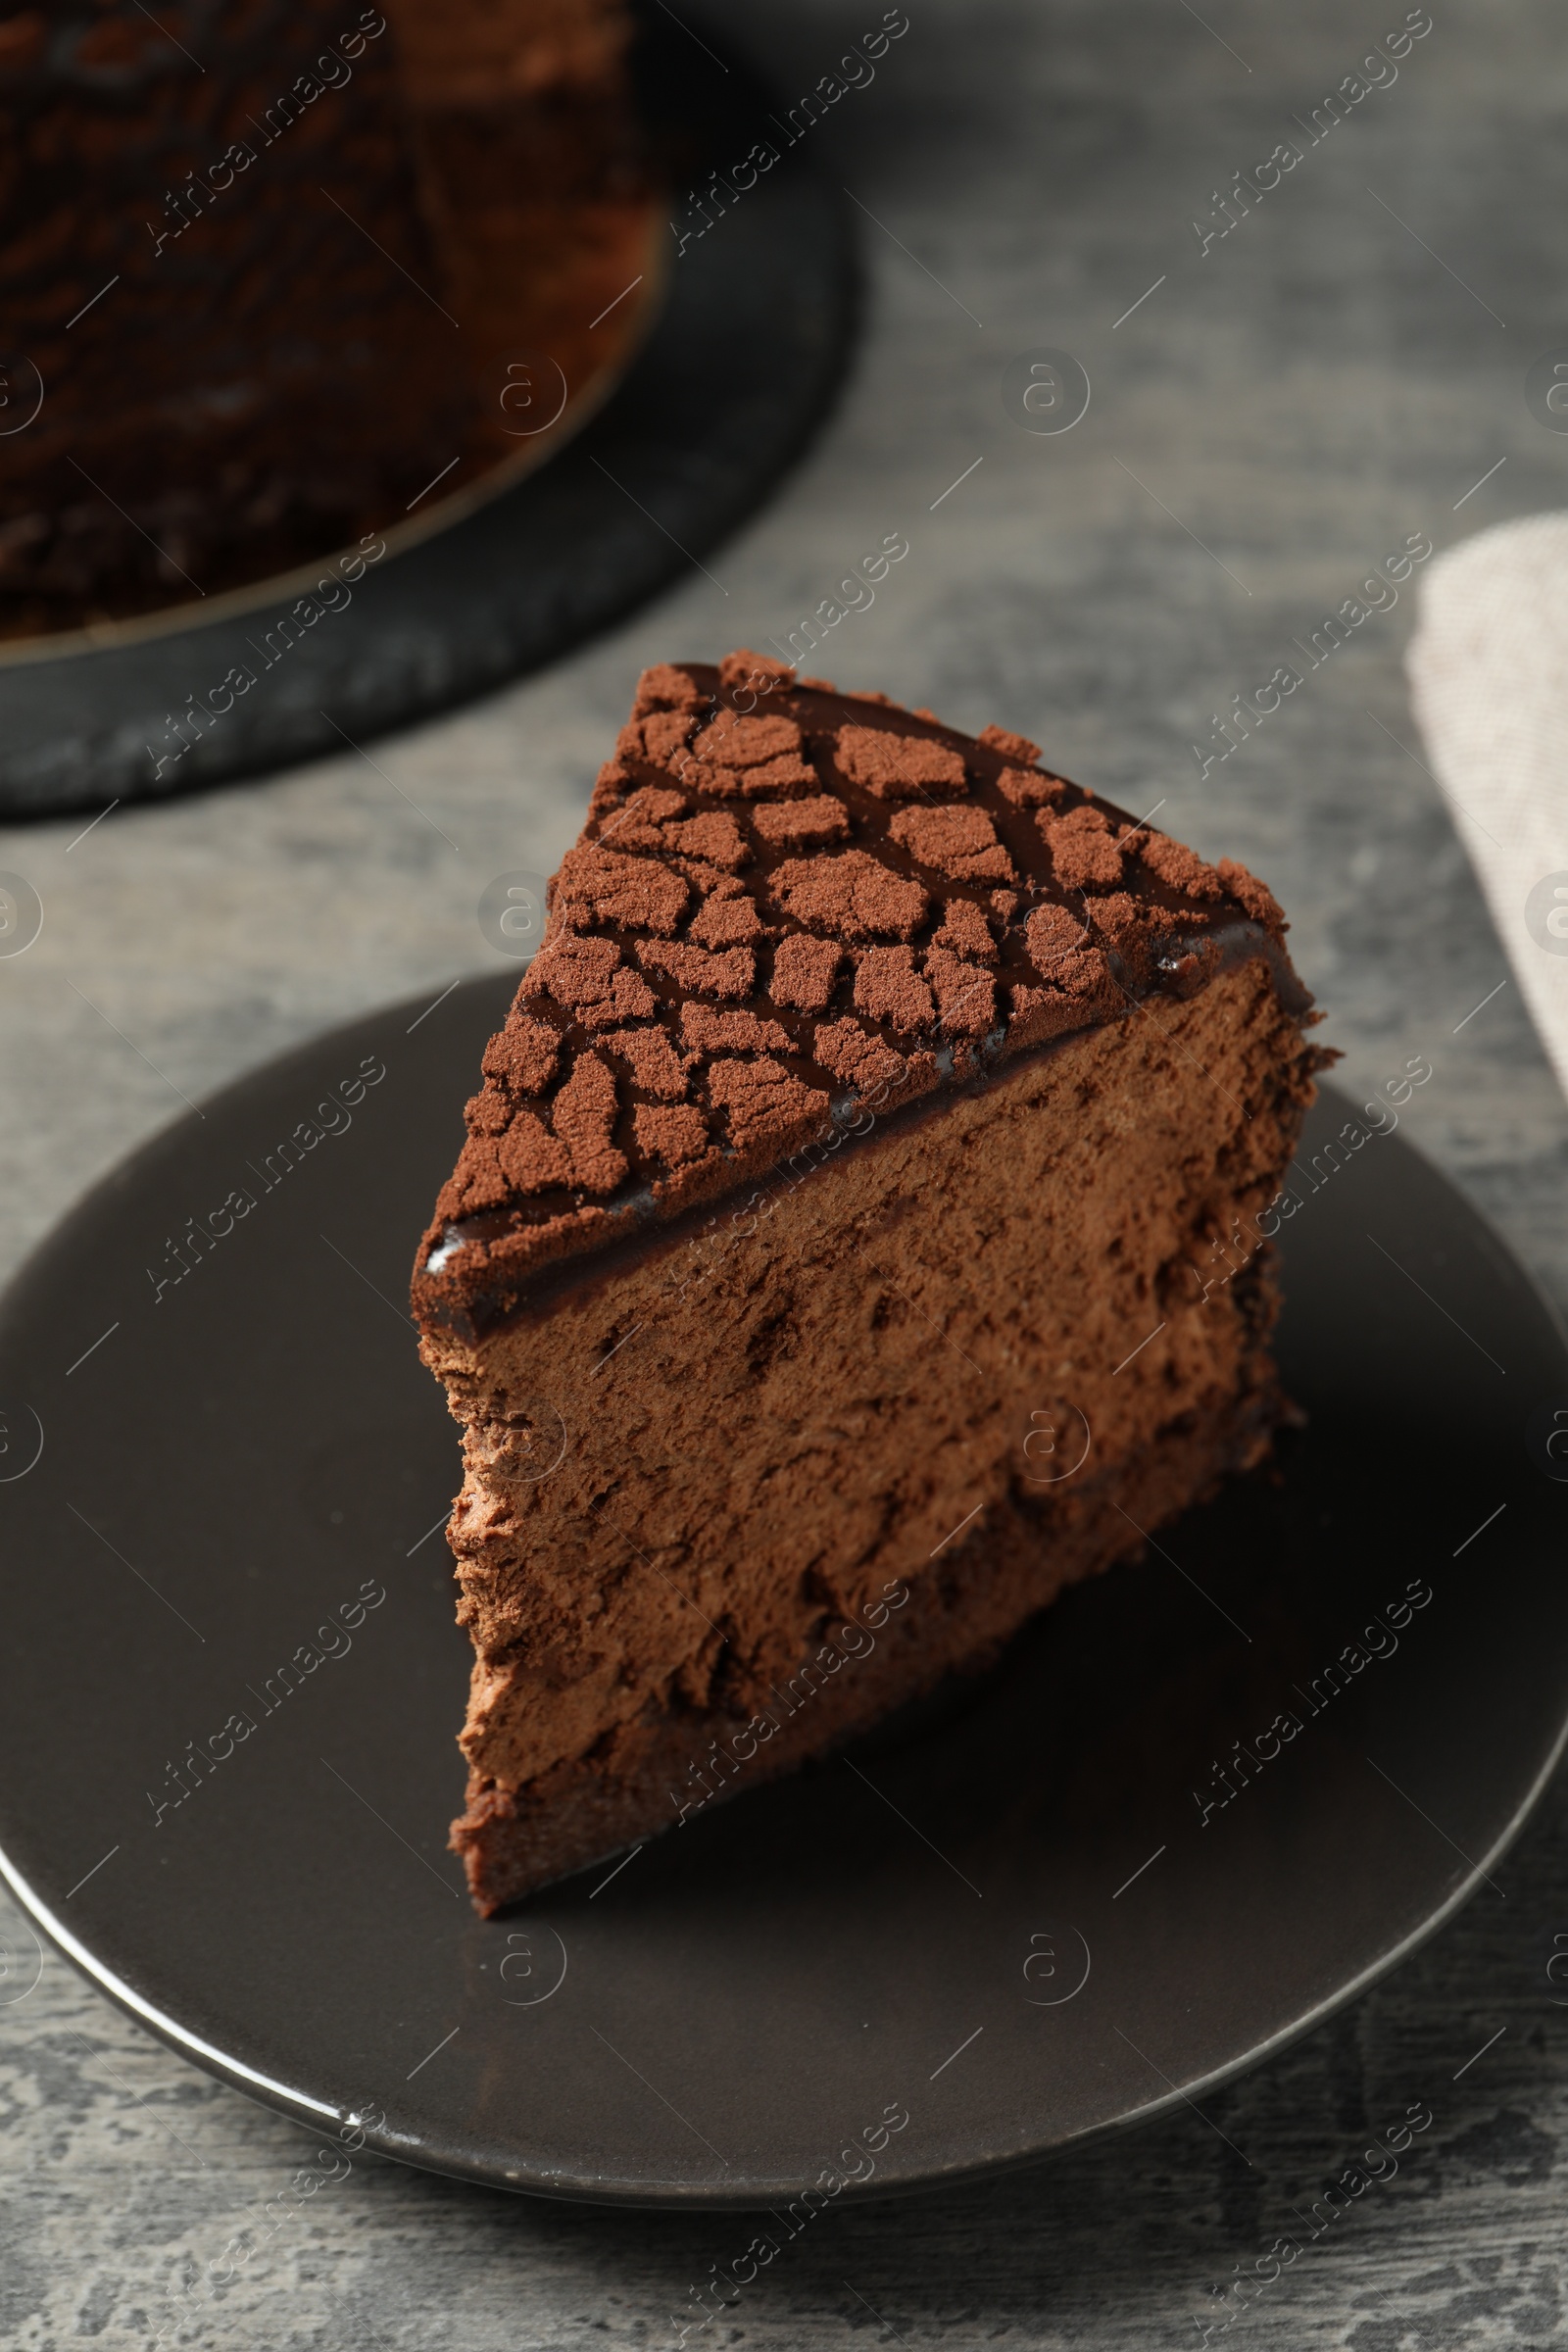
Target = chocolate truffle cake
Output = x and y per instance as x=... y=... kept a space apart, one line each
x=255 y=262
x=829 y=1274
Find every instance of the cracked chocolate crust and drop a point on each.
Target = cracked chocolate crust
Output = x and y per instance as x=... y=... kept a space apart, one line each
x=789 y=905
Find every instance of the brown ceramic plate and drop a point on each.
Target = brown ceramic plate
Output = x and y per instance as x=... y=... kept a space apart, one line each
x=981 y=1937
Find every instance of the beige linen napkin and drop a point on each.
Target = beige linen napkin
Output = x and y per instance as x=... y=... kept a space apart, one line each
x=1489 y=680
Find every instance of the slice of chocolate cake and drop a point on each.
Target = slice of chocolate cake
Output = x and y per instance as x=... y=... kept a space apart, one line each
x=832 y=1271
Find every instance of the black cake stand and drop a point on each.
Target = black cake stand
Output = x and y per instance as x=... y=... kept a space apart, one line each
x=738 y=368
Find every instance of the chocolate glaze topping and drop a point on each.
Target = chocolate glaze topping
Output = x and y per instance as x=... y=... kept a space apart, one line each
x=789 y=903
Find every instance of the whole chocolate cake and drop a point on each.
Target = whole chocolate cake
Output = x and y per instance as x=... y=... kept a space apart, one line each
x=821 y=1286
x=255 y=261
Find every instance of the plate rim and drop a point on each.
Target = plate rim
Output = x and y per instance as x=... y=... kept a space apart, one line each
x=310 y=2114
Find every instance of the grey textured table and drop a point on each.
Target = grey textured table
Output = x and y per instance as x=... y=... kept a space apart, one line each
x=1281 y=410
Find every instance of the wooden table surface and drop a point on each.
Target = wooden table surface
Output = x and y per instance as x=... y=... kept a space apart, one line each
x=1283 y=408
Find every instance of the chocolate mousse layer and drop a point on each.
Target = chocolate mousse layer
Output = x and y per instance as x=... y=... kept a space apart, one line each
x=829 y=1274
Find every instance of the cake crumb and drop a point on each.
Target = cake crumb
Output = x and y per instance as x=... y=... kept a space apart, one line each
x=805 y=970
x=1016 y=748
x=729 y=974
x=711 y=1032
x=676 y=1136
x=888 y=987
x=1084 y=854
x=582 y=1115
x=801 y=824
x=898 y=767
x=763 y=1101
x=851 y=896
x=665 y=687
x=961 y=843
